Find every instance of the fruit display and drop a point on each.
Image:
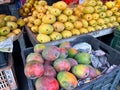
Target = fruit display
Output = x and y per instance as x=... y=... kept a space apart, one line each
x=10 y=26
x=60 y=66
x=59 y=21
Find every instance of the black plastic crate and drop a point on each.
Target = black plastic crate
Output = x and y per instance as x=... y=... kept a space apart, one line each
x=107 y=81
x=115 y=43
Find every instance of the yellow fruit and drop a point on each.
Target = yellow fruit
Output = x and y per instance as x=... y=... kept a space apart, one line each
x=17 y=31
x=109 y=25
x=62 y=18
x=35 y=13
x=78 y=24
x=2 y=38
x=84 y=23
x=112 y=19
x=109 y=13
x=13 y=18
x=87 y=17
x=4 y=31
x=55 y=36
x=78 y=14
x=42 y=2
x=68 y=11
x=11 y=34
x=11 y=25
x=68 y=25
x=118 y=19
x=75 y=32
x=110 y=4
x=98 y=27
x=72 y=18
x=100 y=21
x=104 y=8
x=49 y=19
x=80 y=8
x=58 y=26
x=35 y=29
x=83 y=30
x=98 y=9
x=2 y=16
x=29 y=24
x=104 y=26
x=106 y=20
x=90 y=28
x=102 y=14
x=60 y=5
x=40 y=9
x=117 y=14
x=99 y=3
x=115 y=24
x=42 y=38
x=7 y=18
x=54 y=11
x=37 y=22
x=31 y=19
x=92 y=22
x=66 y=34
x=2 y=22
x=20 y=22
x=26 y=20
x=114 y=9
x=95 y=16
x=46 y=29
x=40 y=15
x=91 y=3
x=88 y=10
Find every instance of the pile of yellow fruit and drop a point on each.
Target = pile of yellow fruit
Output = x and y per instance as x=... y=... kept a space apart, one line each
x=59 y=21
x=27 y=8
x=9 y=26
x=96 y=16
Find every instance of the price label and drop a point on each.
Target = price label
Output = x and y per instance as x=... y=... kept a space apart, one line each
x=81 y=1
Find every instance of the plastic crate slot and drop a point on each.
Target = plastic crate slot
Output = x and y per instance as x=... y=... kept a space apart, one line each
x=97 y=87
x=106 y=87
x=108 y=80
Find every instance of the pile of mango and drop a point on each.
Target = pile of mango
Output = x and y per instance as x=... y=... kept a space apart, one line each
x=59 y=21
x=10 y=26
x=56 y=67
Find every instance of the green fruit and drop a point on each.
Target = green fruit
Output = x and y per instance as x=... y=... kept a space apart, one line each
x=4 y=31
x=67 y=80
x=80 y=71
x=83 y=58
x=12 y=25
x=72 y=52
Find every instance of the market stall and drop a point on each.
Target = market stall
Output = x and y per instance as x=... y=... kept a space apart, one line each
x=58 y=43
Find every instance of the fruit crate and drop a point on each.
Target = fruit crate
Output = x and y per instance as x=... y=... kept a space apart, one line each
x=107 y=81
x=97 y=33
x=115 y=43
x=7 y=75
